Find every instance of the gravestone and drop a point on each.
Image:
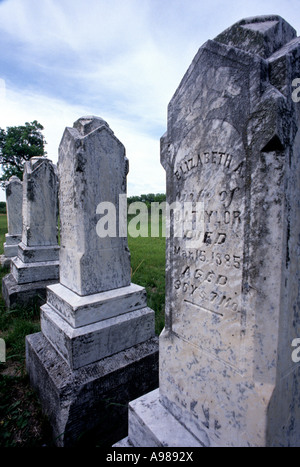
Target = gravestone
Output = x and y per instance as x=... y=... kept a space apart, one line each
x=14 y=197
x=97 y=346
x=37 y=262
x=233 y=290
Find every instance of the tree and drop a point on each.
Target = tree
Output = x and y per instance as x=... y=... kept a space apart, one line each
x=18 y=144
x=147 y=199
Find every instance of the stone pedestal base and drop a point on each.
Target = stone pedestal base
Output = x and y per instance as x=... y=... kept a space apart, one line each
x=5 y=261
x=90 y=402
x=150 y=424
x=11 y=244
x=38 y=254
x=33 y=271
x=86 y=329
x=93 y=354
x=30 y=273
x=10 y=249
x=24 y=294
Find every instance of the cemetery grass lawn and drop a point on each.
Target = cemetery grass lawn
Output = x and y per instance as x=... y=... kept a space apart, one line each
x=22 y=423
x=148 y=270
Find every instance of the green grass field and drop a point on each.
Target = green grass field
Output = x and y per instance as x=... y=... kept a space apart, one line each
x=3 y=230
x=148 y=270
x=16 y=323
x=21 y=421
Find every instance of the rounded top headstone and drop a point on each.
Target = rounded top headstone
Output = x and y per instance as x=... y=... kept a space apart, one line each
x=12 y=181
x=14 y=178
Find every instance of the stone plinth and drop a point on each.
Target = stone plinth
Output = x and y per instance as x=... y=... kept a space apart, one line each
x=150 y=424
x=11 y=245
x=95 y=322
x=90 y=405
x=37 y=262
x=14 y=196
x=233 y=280
x=92 y=342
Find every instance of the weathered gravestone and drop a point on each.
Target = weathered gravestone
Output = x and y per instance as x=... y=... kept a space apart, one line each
x=37 y=262
x=233 y=299
x=97 y=346
x=14 y=197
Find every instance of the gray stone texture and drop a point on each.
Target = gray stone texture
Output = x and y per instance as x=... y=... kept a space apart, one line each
x=90 y=343
x=94 y=271
x=80 y=311
x=150 y=424
x=37 y=262
x=10 y=246
x=92 y=169
x=95 y=322
x=24 y=294
x=233 y=300
x=40 y=203
x=14 y=196
x=89 y=406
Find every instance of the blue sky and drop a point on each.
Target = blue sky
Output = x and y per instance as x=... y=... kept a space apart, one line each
x=121 y=60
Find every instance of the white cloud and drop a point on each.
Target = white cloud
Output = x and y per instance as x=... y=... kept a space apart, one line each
x=145 y=175
x=88 y=27
x=120 y=60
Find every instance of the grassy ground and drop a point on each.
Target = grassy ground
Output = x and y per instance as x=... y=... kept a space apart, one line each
x=22 y=423
x=148 y=270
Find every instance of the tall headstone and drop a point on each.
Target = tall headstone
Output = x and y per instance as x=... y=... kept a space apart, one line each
x=227 y=377
x=14 y=197
x=37 y=262
x=88 y=177
x=98 y=345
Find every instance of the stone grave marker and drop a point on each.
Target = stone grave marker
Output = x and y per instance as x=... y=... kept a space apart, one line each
x=97 y=346
x=37 y=262
x=233 y=296
x=14 y=197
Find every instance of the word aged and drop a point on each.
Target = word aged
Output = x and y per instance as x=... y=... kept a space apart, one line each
x=202 y=276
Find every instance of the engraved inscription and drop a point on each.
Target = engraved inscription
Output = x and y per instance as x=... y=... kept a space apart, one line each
x=216 y=158
x=210 y=257
x=207 y=277
x=189 y=163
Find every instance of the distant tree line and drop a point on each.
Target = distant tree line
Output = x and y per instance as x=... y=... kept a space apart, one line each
x=2 y=207
x=147 y=199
